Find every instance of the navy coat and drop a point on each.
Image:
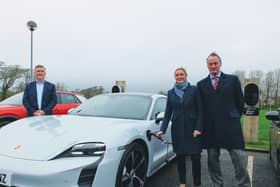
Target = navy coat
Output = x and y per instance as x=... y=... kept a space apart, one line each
x=186 y=116
x=222 y=109
x=49 y=99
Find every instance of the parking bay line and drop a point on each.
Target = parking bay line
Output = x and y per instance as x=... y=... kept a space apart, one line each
x=250 y=167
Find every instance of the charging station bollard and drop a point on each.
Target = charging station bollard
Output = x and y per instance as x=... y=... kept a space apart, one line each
x=251 y=113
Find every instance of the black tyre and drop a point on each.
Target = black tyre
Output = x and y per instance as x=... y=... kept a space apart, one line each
x=278 y=171
x=133 y=167
x=4 y=122
x=278 y=162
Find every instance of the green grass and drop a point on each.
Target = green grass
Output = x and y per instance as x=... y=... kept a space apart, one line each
x=264 y=126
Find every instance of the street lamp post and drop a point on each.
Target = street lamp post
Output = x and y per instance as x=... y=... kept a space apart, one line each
x=32 y=26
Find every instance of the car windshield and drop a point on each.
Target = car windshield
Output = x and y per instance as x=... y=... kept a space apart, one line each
x=13 y=100
x=116 y=106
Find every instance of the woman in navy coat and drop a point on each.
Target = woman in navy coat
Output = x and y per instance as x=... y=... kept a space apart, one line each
x=185 y=111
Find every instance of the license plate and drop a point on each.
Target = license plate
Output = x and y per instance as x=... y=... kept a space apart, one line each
x=5 y=178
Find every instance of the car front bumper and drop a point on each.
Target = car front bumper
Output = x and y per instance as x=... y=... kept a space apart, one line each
x=64 y=172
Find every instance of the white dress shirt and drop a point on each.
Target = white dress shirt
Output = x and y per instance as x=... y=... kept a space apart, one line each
x=40 y=88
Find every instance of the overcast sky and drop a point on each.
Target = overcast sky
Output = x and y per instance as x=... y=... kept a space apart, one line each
x=86 y=43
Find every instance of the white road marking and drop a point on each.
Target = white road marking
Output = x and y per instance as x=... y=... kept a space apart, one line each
x=250 y=167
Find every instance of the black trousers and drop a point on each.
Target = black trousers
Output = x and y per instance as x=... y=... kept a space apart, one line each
x=196 y=168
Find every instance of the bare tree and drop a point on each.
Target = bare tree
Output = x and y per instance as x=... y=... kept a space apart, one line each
x=9 y=74
x=89 y=92
x=61 y=86
x=241 y=75
x=24 y=80
x=276 y=76
x=268 y=84
x=256 y=76
x=26 y=77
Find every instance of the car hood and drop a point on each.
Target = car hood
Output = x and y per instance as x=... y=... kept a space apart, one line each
x=42 y=138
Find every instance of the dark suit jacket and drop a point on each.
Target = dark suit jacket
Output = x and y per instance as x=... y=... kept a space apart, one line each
x=222 y=109
x=186 y=116
x=49 y=99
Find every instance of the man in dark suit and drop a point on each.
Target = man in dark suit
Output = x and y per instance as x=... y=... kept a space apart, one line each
x=39 y=96
x=222 y=101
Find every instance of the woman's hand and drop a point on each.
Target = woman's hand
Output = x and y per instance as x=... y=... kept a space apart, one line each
x=196 y=133
x=159 y=134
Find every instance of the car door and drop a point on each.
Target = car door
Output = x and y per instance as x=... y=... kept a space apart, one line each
x=278 y=146
x=159 y=149
x=65 y=102
x=275 y=143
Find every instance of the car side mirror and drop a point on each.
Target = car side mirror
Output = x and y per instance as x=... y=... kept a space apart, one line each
x=70 y=110
x=73 y=110
x=273 y=116
x=159 y=117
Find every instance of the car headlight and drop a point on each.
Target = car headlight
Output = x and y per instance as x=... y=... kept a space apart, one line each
x=84 y=150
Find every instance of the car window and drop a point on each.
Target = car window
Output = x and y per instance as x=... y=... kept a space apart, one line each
x=67 y=99
x=158 y=107
x=116 y=106
x=58 y=98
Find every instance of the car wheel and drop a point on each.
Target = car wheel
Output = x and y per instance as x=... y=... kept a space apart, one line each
x=4 y=122
x=278 y=170
x=278 y=162
x=133 y=167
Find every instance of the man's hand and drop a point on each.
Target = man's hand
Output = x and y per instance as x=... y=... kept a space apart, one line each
x=39 y=113
x=196 y=133
x=42 y=112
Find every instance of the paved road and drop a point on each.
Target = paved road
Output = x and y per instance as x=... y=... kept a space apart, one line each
x=263 y=174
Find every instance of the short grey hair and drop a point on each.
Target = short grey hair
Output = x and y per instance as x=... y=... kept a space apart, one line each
x=214 y=54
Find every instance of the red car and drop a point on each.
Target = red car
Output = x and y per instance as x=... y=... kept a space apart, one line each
x=12 y=108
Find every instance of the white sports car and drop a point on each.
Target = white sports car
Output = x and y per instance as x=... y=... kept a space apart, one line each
x=105 y=142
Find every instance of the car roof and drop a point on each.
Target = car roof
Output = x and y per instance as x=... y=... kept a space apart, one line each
x=67 y=92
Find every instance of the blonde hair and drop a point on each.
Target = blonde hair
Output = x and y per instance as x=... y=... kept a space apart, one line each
x=39 y=66
x=181 y=68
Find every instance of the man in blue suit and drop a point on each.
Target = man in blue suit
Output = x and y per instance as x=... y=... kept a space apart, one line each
x=222 y=101
x=39 y=96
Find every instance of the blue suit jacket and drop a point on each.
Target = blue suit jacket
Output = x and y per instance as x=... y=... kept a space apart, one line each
x=49 y=99
x=222 y=109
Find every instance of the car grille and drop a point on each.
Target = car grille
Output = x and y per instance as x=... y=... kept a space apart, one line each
x=86 y=177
